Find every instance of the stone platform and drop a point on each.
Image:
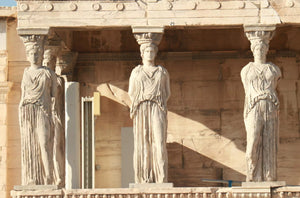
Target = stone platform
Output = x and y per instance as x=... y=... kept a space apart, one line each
x=263 y=184
x=186 y=192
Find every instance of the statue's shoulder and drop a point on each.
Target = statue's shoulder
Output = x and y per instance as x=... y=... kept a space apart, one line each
x=248 y=65
x=270 y=64
x=137 y=69
x=246 y=68
x=275 y=68
x=49 y=70
x=162 y=69
x=26 y=70
x=25 y=73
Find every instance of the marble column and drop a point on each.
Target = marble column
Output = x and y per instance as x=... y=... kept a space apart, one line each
x=72 y=135
x=65 y=66
x=52 y=49
x=261 y=106
x=149 y=109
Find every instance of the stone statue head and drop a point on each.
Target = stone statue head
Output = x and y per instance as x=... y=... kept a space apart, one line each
x=34 y=53
x=148 y=51
x=259 y=50
x=49 y=60
x=260 y=44
x=34 y=45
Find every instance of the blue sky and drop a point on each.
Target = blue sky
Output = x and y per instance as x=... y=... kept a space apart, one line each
x=8 y=3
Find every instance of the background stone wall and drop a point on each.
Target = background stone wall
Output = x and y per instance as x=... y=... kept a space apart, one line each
x=3 y=141
x=16 y=65
x=206 y=134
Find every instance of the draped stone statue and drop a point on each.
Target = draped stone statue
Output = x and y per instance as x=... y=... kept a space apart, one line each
x=149 y=91
x=35 y=116
x=50 y=57
x=261 y=110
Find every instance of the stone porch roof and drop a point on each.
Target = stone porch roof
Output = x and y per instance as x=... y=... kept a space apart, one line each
x=167 y=13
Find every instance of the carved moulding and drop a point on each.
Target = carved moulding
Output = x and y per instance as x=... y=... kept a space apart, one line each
x=259 y=31
x=33 y=31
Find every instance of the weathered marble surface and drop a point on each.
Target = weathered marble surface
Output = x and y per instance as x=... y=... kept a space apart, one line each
x=51 y=52
x=261 y=110
x=35 y=116
x=149 y=91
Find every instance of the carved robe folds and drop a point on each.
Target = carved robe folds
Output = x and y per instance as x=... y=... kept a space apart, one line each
x=38 y=86
x=149 y=93
x=261 y=120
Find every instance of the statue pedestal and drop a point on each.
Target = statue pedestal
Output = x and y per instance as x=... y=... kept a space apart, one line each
x=151 y=185
x=265 y=184
x=35 y=187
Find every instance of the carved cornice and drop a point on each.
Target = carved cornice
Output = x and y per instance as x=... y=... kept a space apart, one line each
x=33 y=31
x=259 y=27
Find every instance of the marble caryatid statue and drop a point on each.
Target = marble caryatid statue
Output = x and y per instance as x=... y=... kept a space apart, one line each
x=50 y=57
x=35 y=116
x=149 y=91
x=261 y=110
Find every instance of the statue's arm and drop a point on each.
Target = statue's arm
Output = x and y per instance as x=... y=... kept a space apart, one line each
x=132 y=87
x=168 y=91
x=244 y=75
